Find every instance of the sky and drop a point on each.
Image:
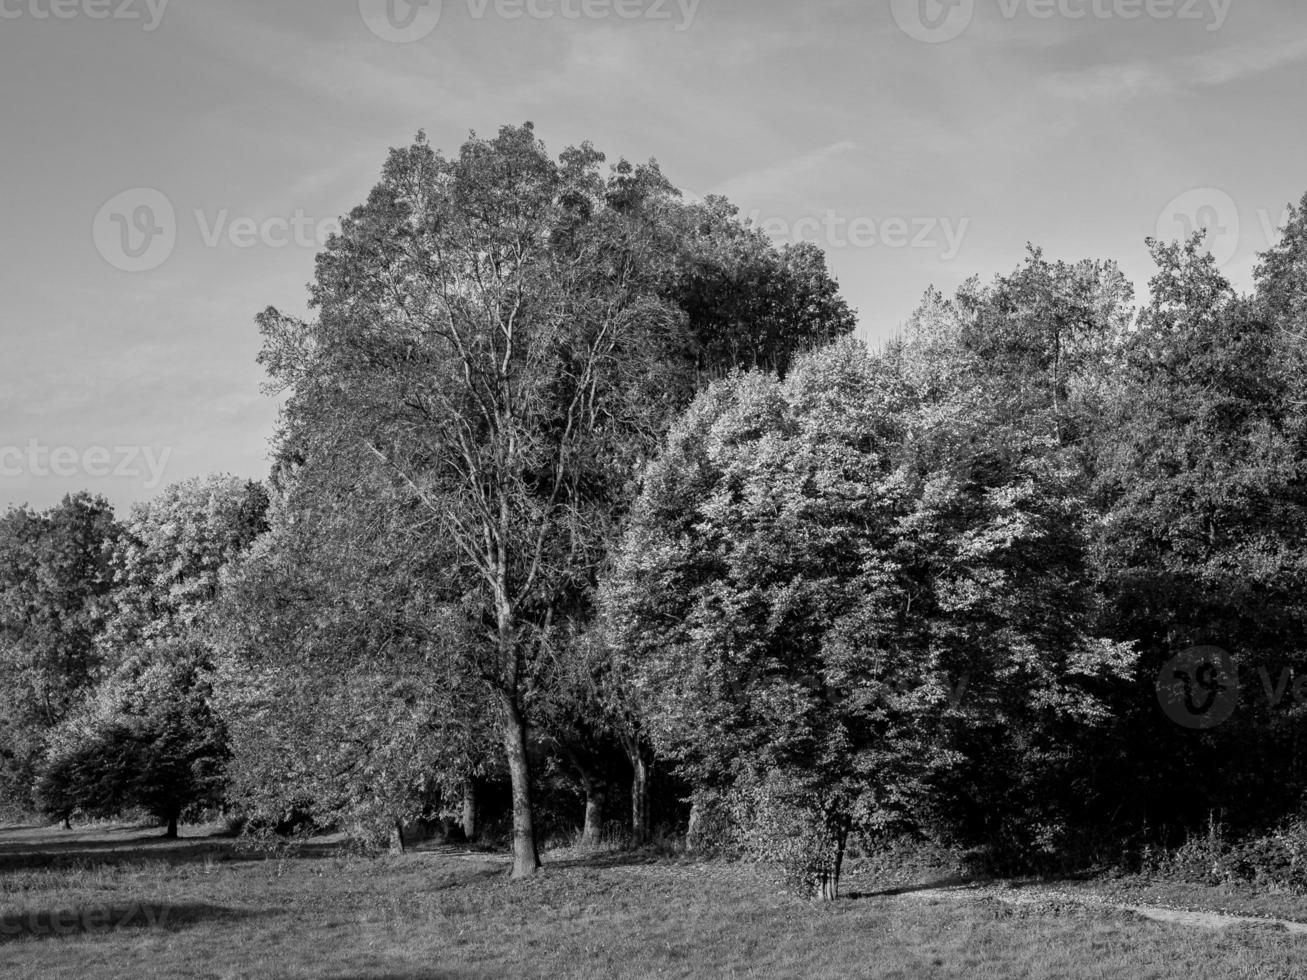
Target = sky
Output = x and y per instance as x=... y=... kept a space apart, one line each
x=171 y=167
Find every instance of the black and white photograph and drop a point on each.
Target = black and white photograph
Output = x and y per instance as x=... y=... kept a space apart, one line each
x=591 y=489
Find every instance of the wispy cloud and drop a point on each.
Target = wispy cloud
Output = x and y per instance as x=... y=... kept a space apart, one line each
x=786 y=179
x=1121 y=81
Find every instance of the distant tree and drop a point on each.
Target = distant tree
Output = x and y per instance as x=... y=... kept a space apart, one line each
x=144 y=733
x=1036 y=347
x=345 y=684
x=149 y=739
x=747 y=304
x=55 y=579
x=169 y=557
x=1281 y=275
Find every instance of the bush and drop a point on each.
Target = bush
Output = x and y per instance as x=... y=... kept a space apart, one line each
x=1275 y=859
x=779 y=821
x=712 y=828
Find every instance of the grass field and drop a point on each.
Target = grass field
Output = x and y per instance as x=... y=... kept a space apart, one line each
x=118 y=902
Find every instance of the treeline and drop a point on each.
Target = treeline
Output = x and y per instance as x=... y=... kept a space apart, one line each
x=587 y=511
x=106 y=652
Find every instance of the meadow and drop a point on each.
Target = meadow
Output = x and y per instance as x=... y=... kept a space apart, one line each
x=115 y=901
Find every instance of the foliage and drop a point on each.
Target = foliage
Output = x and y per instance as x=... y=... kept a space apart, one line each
x=499 y=331
x=173 y=548
x=55 y=579
x=149 y=739
x=821 y=585
x=1273 y=859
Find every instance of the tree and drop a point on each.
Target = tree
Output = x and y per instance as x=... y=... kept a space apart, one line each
x=171 y=553
x=747 y=305
x=55 y=578
x=498 y=331
x=1011 y=380
x=1281 y=274
x=143 y=718
x=1036 y=347
x=343 y=680
x=1199 y=481
x=148 y=739
x=803 y=586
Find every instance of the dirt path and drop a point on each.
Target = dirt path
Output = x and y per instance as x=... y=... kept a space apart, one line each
x=1037 y=898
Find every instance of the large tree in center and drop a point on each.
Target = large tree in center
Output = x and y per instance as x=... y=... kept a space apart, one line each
x=501 y=334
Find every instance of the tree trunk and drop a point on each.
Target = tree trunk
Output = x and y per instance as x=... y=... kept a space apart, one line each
x=830 y=879
x=592 y=835
x=171 y=832
x=830 y=886
x=691 y=829
x=397 y=838
x=640 y=774
x=592 y=786
x=526 y=859
x=470 y=809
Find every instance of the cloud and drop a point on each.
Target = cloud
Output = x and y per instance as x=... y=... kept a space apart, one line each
x=1123 y=81
x=782 y=180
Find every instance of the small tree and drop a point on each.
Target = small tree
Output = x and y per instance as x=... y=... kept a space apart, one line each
x=148 y=739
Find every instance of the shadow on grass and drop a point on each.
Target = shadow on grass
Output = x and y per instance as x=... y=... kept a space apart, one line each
x=601 y=859
x=107 y=919
x=467 y=880
x=146 y=845
x=953 y=881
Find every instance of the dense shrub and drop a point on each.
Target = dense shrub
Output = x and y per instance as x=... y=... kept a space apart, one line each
x=1274 y=859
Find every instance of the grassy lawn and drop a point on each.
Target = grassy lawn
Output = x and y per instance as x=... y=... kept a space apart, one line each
x=116 y=903
x=1237 y=898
